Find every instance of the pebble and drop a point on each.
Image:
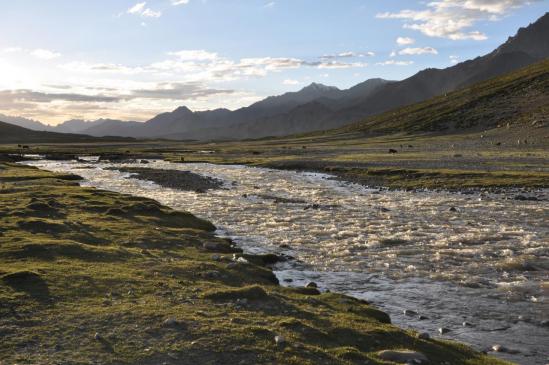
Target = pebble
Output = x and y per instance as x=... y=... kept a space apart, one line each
x=280 y=340
x=422 y=317
x=242 y=260
x=170 y=322
x=453 y=209
x=443 y=330
x=211 y=246
x=500 y=348
x=423 y=336
x=311 y=284
x=403 y=357
x=409 y=313
x=467 y=324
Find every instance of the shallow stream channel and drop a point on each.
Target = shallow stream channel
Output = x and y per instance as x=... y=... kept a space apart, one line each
x=470 y=267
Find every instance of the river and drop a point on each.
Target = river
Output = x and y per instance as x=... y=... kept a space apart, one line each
x=476 y=265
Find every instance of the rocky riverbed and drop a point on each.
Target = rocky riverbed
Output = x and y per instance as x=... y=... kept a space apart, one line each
x=471 y=267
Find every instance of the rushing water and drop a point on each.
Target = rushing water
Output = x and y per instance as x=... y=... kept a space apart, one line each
x=476 y=264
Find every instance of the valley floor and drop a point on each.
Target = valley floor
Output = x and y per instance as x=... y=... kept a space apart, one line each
x=494 y=159
x=95 y=277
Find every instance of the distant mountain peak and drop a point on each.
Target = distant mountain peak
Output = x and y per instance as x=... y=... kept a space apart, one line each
x=315 y=86
x=533 y=39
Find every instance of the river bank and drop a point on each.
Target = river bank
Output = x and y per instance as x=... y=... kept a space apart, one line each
x=95 y=276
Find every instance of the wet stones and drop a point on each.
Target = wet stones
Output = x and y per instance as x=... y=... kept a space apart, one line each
x=443 y=330
x=311 y=284
x=280 y=340
x=409 y=313
x=503 y=349
x=526 y=198
x=218 y=247
x=403 y=357
x=423 y=336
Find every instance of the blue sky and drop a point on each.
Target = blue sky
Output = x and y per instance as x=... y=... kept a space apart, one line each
x=132 y=59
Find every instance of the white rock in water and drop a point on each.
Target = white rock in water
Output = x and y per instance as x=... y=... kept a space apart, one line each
x=403 y=357
x=280 y=340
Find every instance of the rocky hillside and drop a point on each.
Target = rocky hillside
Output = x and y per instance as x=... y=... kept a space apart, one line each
x=521 y=97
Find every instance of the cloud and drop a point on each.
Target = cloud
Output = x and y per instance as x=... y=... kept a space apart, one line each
x=290 y=82
x=194 y=55
x=395 y=63
x=86 y=67
x=454 y=59
x=40 y=53
x=45 y=54
x=137 y=8
x=339 y=65
x=12 y=50
x=348 y=54
x=177 y=91
x=452 y=19
x=179 y=2
x=142 y=10
x=412 y=51
x=405 y=41
x=42 y=97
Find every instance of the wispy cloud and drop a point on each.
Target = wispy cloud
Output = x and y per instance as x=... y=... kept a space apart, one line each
x=45 y=54
x=453 y=19
x=348 y=54
x=179 y=2
x=142 y=10
x=411 y=51
x=405 y=41
x=395 y=63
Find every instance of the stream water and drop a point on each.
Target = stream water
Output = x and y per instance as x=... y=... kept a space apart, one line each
x=474 y=264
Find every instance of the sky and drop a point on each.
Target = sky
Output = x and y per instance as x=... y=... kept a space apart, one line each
x=134 y=59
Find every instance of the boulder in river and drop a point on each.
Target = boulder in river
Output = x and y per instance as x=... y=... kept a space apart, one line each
x=443 y=330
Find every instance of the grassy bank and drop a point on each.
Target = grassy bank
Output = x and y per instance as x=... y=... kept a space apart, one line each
x=94 y=277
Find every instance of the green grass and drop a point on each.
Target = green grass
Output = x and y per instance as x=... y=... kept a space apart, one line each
x=76 y=262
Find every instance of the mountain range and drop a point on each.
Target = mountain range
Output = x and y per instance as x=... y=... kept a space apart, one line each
x=10 y=133
x=319 y=107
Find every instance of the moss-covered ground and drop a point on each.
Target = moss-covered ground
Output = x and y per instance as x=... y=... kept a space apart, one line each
x=95 y=277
